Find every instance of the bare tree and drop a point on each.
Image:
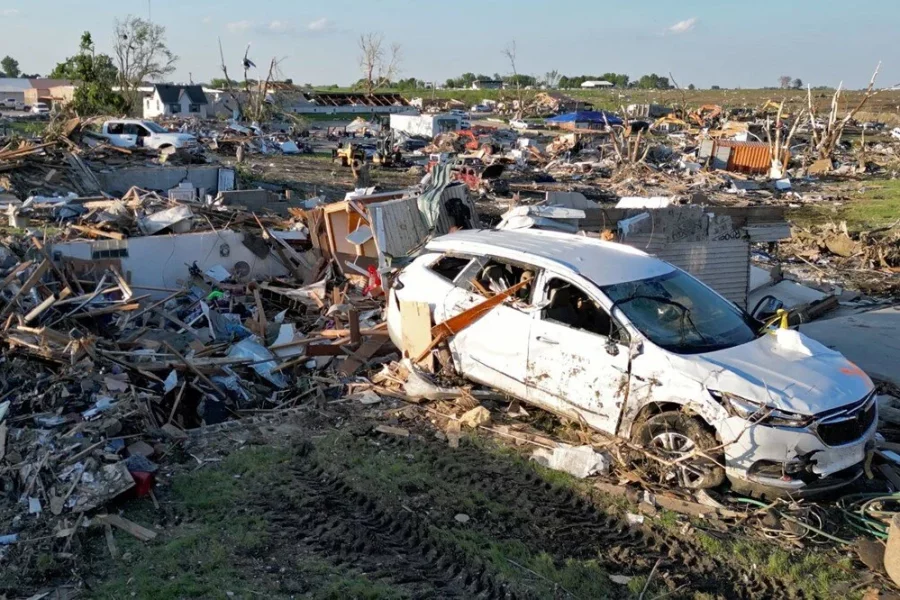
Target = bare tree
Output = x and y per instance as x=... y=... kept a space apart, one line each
x=784 y=81
x=141 y=55
x=551 y=79
x=510 y=53
x=778 y=146
x=229 y=84
x=826 y=136
x=379 y=66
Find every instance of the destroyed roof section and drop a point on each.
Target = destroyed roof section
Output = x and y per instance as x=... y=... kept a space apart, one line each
x=604 y=263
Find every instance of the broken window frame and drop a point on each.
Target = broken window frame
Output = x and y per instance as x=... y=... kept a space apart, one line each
x=194 y=108
x=474 y=269
x=175 y=109
x=618 y=332
x=450 y=255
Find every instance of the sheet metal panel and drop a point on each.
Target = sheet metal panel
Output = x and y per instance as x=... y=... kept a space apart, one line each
x=722 y=265
x=749 y=157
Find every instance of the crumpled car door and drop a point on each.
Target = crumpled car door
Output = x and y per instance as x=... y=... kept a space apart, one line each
x=493 y=349
x=570 y=369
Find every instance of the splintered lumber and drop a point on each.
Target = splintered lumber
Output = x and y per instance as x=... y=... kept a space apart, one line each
x=190 y=365
x=353 y=321
x=260 y=314
x=355 y=361
x=416 y=318
x=138 y=531
x=123 y=284
x=24 y=151
x=59 y=274
x=26 y=287
x=37 y=310
x=454 y=325
x=98 y=232
x=108 y=310
x=15 y=273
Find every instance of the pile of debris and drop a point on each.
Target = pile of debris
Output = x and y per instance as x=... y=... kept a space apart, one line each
x=870 y=260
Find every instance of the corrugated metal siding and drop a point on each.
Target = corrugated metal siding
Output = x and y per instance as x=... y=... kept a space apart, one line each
x=722 y=265
x=749 y=157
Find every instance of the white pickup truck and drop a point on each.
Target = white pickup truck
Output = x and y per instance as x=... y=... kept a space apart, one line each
x=127 y=133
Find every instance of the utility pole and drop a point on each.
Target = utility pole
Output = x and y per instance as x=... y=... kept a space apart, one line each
x=149 y=10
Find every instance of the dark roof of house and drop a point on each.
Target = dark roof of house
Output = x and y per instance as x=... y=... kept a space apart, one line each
x=171 y=94
x=355 y=99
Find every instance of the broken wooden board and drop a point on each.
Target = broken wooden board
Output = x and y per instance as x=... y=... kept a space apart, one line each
x=454 y=325
x=416 y=331
x=359 y=358
x=138 y=531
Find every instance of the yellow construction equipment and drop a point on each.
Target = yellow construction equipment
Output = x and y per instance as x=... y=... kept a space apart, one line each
x=771 y=107
x=346 y=154
x=671 y=120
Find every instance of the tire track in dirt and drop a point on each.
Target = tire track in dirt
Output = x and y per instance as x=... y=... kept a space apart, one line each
x=327 y=516
x=553 y=519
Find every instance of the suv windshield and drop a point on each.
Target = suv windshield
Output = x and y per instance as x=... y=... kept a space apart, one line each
x=154 y=127
x=680 y=314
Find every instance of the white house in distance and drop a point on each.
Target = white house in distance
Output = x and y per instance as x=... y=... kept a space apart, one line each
x=427 y=125
x=176 y=100
x=596 y=84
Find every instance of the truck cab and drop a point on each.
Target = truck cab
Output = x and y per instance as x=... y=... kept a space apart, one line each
x=128 y=133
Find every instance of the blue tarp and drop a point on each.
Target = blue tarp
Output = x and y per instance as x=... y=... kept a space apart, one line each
x=586 y=116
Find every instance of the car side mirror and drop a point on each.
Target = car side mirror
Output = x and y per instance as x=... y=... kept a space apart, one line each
x=767 y=307
x=612 y=348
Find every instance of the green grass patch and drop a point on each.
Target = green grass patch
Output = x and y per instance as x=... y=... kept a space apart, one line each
x=868 y=205
x=197 y=558
x=815 y=572
x=537 y=572
x=24 y=128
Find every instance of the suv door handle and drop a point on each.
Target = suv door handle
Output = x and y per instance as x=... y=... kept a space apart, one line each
x=547 y=340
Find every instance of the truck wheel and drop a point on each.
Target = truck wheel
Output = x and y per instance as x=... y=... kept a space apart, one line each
x=671 y=436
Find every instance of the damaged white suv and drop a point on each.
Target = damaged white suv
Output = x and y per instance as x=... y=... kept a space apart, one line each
x=635 y=347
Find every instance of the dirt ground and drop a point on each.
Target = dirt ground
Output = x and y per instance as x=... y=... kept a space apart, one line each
x=316 y=174
x=317 y=504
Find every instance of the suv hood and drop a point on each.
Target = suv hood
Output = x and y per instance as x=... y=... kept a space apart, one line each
x=784 y=370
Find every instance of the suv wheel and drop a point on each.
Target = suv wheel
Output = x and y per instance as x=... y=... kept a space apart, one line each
x=672 y=436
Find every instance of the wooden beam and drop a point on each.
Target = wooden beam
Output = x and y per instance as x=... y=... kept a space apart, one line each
x=26 y=287
x=98 y=232
x=108 y=310
x=454 y=325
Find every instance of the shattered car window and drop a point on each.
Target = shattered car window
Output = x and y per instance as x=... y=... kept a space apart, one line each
x=449 y=267
x=569 y=305
x=680 y=314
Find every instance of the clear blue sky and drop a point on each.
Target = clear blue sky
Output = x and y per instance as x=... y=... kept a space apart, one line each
x=727 y=42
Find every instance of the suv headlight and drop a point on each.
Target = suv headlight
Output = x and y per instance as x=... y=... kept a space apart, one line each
x=760 y=413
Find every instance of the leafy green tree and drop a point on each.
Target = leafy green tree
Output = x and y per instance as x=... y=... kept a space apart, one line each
x=142 y=55
x=654 y=82
x=95 y=75
x=10 y=67
x=220 y=83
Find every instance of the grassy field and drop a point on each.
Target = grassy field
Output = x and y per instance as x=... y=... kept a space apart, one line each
x=884 y=107
x=863 y=204
x=346 y=515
